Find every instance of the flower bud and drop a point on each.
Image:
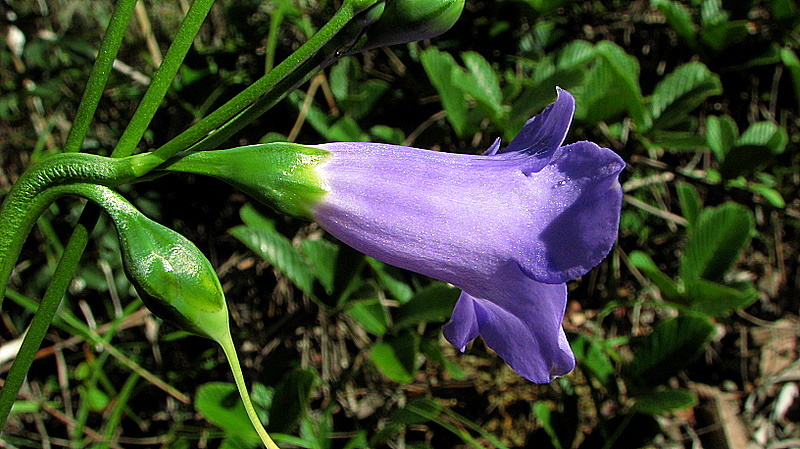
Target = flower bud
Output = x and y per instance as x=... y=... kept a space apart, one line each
x=408 y=21
x=173 y=278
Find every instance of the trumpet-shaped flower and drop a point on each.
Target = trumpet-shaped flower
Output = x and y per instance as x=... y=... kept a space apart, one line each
x=508 y=228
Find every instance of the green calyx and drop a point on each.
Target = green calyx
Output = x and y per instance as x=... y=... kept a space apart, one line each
x=281 y=175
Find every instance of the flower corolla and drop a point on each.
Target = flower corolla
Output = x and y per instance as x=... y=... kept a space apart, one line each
x=509 y=228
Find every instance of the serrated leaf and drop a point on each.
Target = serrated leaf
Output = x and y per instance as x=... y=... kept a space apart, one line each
x=441 y=67
x=371 y=315
x=625 y=69
x=220 y=404
x=765 y=134
x=671 y=346
x=645 y=264
x=322 y=255
x=397 y=357
x=679 y=18
x=680 y=92
x=690 y=202
x=482 y=83
x=721 y=135
x=276 y=249
x=714 y=299
x=715 y=242
x=575 y=53
x=432 y=304
x=662 y=401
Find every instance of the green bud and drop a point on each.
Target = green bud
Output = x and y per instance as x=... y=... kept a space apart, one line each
x=173 y=278
x=281 y=175
x=409 y=21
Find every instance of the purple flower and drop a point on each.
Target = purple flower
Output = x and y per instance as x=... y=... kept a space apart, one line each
x=508 y=228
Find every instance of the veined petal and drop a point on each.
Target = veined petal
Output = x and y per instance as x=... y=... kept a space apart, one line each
x=546 y=132
x=522 y=325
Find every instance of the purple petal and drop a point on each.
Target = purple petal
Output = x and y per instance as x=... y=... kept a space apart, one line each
x=463 y=325
x=523 y=326
x=546 y=132
x=493 y=149
x=580 y=213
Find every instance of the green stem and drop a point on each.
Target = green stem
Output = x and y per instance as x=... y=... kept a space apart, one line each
x=41 y=320
x=100 y=73
x=291 y=72
x=230 y=353
x=163 y=78
x=33 y=192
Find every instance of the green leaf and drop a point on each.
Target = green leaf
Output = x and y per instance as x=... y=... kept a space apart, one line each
x=560 y=426
x=680 y=92
x=784 y=10
x=662 y=401
x=322 y=255
x=716 y=241
x=690 y=202
x=441 y=68
x=721 y=135
x=417 y=411
x=679 y=18
x=220 y=404
x=756 y=146
x=432 y=304
x=482 y=83
x=671 y=346
x=397 y=357
x=773 y=196
x=721 y=35
x=291 y=399
x=765 y=134
x=625 y=70
x=432 y=349
x=645 y=264
x=260 y=235
x=391 y=279
x=792 y=62
x=370 y=314
x=592 y=355
x=714 y=299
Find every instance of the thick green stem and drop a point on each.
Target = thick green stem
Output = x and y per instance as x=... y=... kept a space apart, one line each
x=33 y=193
x=44 y=315
x=100 y=73
x=163 y=78
x=325 y=46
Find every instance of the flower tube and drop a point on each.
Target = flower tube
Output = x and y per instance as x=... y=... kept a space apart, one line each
x=508 y=228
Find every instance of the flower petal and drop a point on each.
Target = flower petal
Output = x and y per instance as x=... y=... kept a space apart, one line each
x=546 y=132
x=463 y=325
x=523 y=327
x=580 y=212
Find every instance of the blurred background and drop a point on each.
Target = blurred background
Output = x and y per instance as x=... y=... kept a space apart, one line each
x=686 y=335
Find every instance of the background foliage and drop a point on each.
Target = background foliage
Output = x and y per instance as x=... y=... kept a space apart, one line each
x=685 y=335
